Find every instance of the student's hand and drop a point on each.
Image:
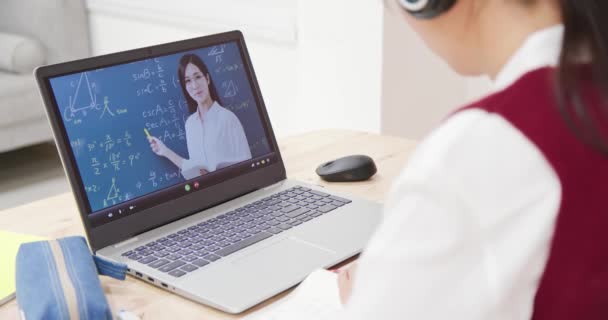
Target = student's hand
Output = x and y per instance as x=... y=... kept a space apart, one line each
x=345 y=282
x=158 y=146
x=203 y=172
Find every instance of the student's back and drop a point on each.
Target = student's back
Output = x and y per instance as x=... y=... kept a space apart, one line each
x=574 y=284
x=500 y=212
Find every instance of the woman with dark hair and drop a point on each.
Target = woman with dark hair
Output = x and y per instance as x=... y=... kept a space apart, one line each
x=214 y=135
x=501 y=213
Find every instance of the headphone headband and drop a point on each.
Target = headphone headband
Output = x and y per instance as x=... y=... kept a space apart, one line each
x=426 y=9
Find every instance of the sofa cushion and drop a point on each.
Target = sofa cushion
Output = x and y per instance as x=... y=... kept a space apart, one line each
x=20 y=54
x=19 y=98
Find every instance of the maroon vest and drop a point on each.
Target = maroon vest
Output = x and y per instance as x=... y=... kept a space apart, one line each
x=574 y=285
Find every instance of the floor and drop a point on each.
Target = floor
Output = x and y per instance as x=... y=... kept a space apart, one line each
x=30 y=174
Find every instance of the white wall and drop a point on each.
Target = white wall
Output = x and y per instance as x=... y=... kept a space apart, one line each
x=318 y=62
x=340 y=54
x=418 y=88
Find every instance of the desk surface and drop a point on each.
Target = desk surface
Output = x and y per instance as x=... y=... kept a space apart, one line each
x=58 y=216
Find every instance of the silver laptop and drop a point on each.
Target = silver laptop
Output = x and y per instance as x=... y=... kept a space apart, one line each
x=176 y=172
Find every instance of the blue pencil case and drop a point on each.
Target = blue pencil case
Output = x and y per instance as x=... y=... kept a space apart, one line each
x=59 y=279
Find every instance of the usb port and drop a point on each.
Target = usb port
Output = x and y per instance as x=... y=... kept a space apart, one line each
x=139 y=274
x=150 y=279
x=164 y=285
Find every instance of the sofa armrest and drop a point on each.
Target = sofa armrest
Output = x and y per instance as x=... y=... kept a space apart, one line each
x=19 y=54
x=61 y=26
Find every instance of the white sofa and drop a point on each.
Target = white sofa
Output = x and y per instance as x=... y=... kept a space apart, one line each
x=32 y=33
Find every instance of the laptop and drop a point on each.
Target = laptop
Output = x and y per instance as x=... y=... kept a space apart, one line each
x=176 y=172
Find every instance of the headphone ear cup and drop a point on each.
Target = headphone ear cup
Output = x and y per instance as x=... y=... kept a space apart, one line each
x=414 y=5
x=426 y=9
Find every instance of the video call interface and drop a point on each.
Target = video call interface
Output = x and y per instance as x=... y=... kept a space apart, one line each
x=148 y=125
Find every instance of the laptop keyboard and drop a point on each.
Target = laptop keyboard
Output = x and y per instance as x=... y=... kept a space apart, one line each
x=194 y=247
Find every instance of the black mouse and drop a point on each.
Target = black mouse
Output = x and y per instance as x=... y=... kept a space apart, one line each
x=350 y=168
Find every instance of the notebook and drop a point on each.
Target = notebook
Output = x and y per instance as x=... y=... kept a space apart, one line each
x=9 y=245
x=316 y=297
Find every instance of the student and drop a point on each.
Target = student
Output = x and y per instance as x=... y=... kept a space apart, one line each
x=214 y=135
x=501 y=212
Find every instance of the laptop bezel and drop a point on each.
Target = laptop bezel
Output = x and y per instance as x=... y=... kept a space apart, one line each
x=132 y=225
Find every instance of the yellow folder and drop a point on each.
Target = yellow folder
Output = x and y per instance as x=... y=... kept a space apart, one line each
x=9 y=245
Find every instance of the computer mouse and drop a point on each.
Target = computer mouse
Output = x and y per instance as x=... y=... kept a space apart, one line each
x=350 y=168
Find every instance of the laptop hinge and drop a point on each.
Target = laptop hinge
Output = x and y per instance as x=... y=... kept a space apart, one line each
x=126 y=242
x=273 y=185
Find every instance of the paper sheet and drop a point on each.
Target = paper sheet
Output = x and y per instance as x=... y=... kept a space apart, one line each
x=9 y=245
x=316 y=298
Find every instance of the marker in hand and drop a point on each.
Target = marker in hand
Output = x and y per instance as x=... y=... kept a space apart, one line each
x=153 y=144
x=156 y=145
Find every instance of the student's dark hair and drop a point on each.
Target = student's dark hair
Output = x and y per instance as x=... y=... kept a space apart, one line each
x=585 y=41
x=181 y=72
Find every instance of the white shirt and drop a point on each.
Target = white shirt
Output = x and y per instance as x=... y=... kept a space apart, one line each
x=214 y=142
x=467 y=228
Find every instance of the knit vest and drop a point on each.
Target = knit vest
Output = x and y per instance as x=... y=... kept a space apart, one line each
x=574 y=285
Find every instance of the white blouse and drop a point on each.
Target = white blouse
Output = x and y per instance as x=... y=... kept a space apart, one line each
x=215 y=142
x=467 y=229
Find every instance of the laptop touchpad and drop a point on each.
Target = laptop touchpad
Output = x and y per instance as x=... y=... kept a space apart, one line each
x=288 y=254
x=261 y=272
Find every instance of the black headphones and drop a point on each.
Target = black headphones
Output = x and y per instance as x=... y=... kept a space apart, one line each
x=426 y=9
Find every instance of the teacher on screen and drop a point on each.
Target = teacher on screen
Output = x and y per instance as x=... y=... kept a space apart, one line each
x=214 y=135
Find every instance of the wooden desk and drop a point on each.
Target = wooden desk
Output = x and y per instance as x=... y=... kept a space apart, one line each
x=58 y=216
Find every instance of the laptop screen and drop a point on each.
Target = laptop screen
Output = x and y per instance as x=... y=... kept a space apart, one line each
x=146 y=132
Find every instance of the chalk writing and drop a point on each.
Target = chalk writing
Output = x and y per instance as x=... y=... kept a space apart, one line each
x=105 y=112
x=230 y=89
